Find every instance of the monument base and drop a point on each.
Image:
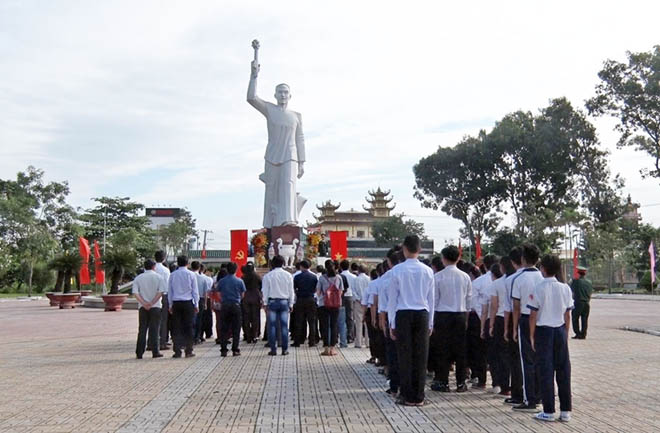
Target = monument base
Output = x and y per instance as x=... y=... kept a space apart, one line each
x=286 y=233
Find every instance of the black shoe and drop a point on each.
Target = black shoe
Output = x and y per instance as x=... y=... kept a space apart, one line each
x=236 y=353
x=513 y=401
x=190 y=355
x=440 y=387
x=461 y=388
x=526 y=407
x=312 y=345
x=138 y=356
x=157 y=355
x=271 y=353
x=176 y=355
x=285 y=353
x=575 y=337
x=223 y=353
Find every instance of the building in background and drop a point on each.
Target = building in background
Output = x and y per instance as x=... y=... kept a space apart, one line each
x=161 y=216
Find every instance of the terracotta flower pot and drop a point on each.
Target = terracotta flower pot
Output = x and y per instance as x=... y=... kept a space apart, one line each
x=52 y=298
x=85 y=293
x=114 y=302
x=67 y=300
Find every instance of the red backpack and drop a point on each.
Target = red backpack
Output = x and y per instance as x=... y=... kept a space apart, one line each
x=332 y=296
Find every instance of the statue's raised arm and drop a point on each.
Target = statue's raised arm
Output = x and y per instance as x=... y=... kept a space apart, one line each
x=252 y=97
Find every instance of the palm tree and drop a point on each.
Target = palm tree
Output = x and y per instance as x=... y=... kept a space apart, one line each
x=67 y=265
x=116 y=262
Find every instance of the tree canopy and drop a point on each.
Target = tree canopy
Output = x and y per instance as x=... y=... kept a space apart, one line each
x=392 y=230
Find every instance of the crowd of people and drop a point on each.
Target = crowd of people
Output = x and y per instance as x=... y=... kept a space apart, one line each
x=509 y=316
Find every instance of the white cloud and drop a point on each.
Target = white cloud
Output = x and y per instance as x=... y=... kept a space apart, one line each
x=147 y=99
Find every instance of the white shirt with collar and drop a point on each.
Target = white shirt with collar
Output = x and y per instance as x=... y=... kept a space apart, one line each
x=453 y=289
x=148 y=284
x=351 y=282
x=278 y=284
x=361 y=283
x=522 y=286
x=498 y=289
x=411 y=288
x=164 y=272
x=383 y=286
x=551 y=299
x=370 y=292
x=480 y=292
x=508 y=306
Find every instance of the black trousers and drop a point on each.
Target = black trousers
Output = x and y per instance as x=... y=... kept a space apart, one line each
x=376 y=347
x=553 y=358
x=347 y=303
x=231 y=322
x=165 y=322
x=450 y=329
x=581 y=314
x=305 y=309
x=251 y=321
x=207 y=320
x=328 y=321
x=412 y=341
x=501 y=370
x=476 y=350
x=513 y=350
x=392 y=361
x=198 y=319
x=148 y=320
x=183 y=314
x=528 y=360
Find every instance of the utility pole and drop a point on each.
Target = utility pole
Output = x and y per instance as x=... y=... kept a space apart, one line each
x=204 y=239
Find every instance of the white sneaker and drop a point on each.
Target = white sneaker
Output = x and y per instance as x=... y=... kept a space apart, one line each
x=494 y=390
x=542 y=416
x=565 y=416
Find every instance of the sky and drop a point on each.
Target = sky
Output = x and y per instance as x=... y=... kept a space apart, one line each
x=147 y=99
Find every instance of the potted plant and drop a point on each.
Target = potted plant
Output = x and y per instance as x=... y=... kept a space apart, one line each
x=67 y=265
x=57 y=265
x=115 y=263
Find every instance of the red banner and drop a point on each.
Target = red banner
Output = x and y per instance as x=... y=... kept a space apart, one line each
x=576 y=275
x=478 y=248
x=99 y=273
x=239 y=249
x=338 y=245
x=84 y=254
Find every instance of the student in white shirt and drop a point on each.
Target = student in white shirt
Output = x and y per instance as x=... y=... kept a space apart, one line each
x=550 y=321
x=453 y=289
x=346 y=323
x=488 y=315
x=410 y=306
x=513 y=349
x=499 y=300
x=359 y=287
x=476 y=344
x=367 y=302
x=522 y=287
x=394 y=257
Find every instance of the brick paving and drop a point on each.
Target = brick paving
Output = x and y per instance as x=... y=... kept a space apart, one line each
x=74 y=371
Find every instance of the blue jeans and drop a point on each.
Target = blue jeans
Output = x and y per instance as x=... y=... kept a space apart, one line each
x=278 y=312
x=341 y=323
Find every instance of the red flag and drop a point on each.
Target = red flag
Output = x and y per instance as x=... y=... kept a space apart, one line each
x=478 y=248
x=239 y=249
x=84 y=253
x=204 y=253
x=339 y=245
x=576 y=275
x=99 y=273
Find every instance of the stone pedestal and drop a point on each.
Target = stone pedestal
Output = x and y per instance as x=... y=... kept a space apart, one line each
x=287 y=233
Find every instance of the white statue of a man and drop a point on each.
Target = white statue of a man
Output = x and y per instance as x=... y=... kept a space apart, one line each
x=285 y=152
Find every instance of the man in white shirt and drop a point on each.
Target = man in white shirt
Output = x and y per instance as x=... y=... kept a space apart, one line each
x=476 y=345
x=453 y=289
x=521 y=288
x=359 y=288
x=499 y=299
x=279 y=296
x=148 y=288
x=202 y=288
x=411 y=299
x=394 y=257
x=550 y=322
x=164 y=273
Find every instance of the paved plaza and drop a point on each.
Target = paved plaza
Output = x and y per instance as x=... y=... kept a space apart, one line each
x=75 y=371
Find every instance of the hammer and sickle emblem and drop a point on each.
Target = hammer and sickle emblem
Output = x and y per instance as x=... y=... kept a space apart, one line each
x=240 y=255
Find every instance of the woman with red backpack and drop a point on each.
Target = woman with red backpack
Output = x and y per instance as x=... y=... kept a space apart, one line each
x=329 y=290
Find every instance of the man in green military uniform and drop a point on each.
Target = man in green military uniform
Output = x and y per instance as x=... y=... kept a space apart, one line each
x=582 y=290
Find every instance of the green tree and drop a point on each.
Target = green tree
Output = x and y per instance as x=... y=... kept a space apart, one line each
x=460 y=181
x=123 y=221
x=174 y=237
x=392 y=230
x=30 y=217
x=117 y=262
x=631 y=92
